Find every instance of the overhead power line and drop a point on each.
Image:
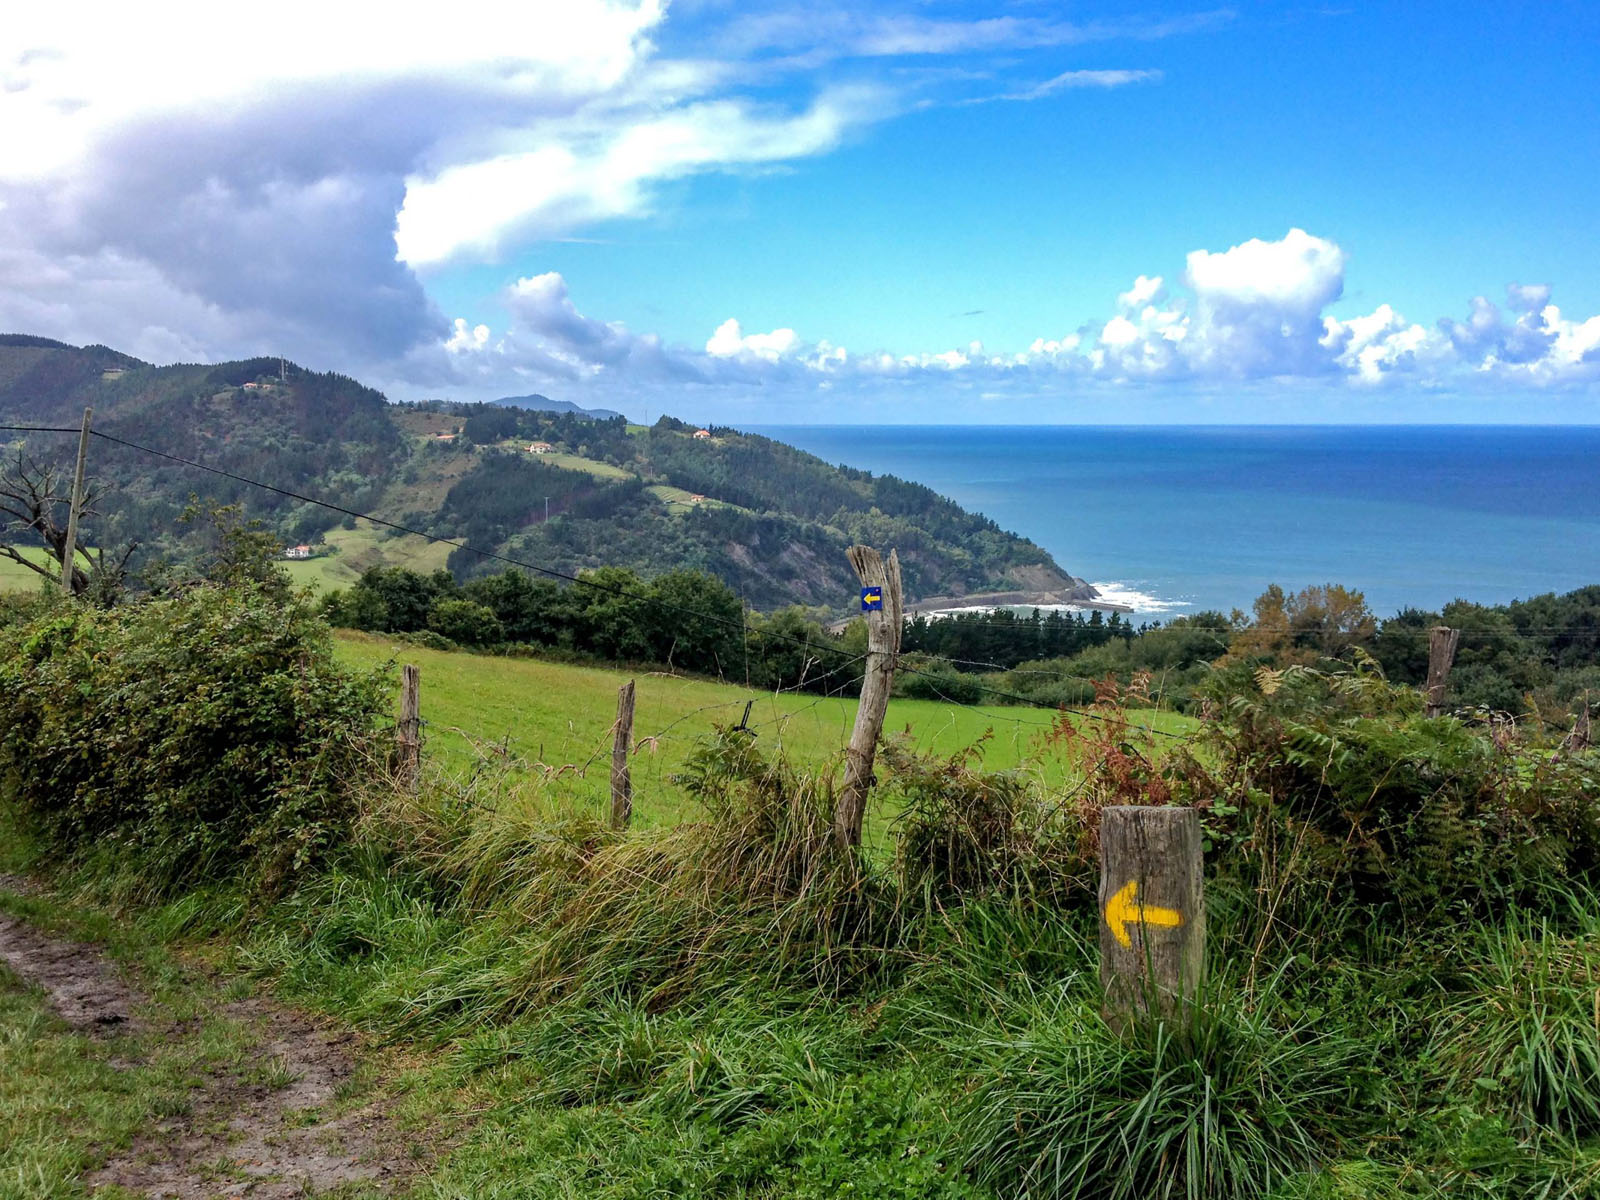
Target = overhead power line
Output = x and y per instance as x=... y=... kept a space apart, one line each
x=714 y=618
x=549 y=572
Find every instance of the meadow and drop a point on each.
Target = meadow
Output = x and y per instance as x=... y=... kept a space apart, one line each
x=348 y=552
x=14 y=577
x=339 y=562
x=554 y=721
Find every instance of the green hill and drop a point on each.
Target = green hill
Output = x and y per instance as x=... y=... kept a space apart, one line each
x=557 y=488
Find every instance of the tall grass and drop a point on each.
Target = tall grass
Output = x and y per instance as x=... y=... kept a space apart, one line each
x=1228 y=1105
x=1524 y=1030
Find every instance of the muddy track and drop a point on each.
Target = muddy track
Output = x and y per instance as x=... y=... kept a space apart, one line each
x=259 y=1130
x=82 y=986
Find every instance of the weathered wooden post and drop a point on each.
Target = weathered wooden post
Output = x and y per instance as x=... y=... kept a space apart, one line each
x=1442 y=642
x=69 y=552
x=881 y=601
x=408 y=733
x=1579 y=739
x=1152 y=910
x=621 y=780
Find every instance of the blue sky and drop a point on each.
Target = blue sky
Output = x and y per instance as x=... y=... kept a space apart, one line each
x=922 y=211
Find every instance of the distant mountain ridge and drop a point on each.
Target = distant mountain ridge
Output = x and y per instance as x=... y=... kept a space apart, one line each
x=538 y=403
x=556 y=485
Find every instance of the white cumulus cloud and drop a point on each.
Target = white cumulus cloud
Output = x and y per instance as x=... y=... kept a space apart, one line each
x=730 y=341
x=1257 y=310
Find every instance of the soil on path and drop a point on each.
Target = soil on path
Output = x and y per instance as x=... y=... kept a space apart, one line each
x=259 y=1130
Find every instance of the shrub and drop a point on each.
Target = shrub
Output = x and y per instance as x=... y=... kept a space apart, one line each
x=17 y=608
x=465 y=622
x=203 y=731
x=964 y=832
x=1342 y=786
x=942 y=683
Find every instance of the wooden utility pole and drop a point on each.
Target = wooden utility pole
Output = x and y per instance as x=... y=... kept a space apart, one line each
x=621 y=779
x=69 y=551
x=1152 y=911
x=1442 y=642
x=408 y=733
x=884 y=623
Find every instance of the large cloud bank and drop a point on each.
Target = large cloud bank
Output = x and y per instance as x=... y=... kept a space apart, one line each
x=186 y=182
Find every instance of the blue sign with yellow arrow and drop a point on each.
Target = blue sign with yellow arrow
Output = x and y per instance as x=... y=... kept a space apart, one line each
x=871 y=599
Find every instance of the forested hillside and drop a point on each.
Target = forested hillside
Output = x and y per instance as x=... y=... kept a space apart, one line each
x=558 y=488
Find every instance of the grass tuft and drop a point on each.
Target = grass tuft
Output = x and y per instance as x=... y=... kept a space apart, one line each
x=1226 y=1106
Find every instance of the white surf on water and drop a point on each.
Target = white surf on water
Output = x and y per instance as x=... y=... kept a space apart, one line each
x=1142 y=603
x=1138 y=603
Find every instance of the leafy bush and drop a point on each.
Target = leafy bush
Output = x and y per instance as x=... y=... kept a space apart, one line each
x=203 y=731
x=464 y=622
x=1342 y=786
x=942 y=683
x=19 y=607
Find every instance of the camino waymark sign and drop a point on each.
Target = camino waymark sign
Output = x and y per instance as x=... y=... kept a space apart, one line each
x=871 y=599
x=1152 y=909
x=1124 y=909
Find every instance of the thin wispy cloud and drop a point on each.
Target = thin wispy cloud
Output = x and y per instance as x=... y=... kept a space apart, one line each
x=1069 y=81
x=867 y=31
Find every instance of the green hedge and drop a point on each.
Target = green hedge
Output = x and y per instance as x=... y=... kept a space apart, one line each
x=203 y=733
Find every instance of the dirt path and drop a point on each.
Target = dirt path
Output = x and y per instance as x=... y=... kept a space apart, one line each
x=82 y=986
x=259 y=1130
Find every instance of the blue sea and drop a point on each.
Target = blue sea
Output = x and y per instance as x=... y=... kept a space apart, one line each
x=1181 y=519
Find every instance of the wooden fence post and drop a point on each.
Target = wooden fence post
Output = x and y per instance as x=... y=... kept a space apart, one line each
x=621 y=780
x=883 y=651
x=69 y=552
x=1152 y=909
x=408 y=733
x=1441 y=655
x=1579 y=739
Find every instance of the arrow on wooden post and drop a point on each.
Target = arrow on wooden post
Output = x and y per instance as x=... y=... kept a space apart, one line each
x=1124 y=909
x=1152 y=904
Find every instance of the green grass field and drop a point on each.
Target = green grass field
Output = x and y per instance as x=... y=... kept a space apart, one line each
x=14 y=577
x=555 y=719
x=354 y=551
x=589 y=466
x=365 y=546
x=680 y=501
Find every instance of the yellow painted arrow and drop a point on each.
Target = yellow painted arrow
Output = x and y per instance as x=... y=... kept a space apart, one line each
x=1124 y=909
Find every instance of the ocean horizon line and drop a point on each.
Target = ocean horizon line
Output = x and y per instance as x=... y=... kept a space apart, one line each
x=1183 y=425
